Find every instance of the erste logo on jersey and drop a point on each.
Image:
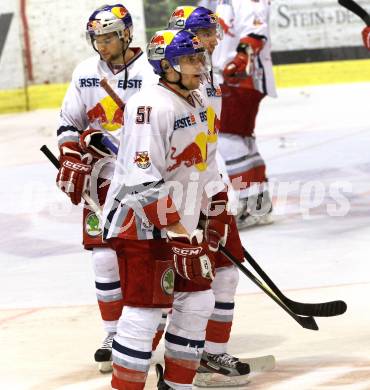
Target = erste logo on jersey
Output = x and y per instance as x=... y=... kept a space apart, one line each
x=184 y=122
x=214 y=92
x=94 y=82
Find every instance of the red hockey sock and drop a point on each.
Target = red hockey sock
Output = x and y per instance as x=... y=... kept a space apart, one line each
x=126 y=379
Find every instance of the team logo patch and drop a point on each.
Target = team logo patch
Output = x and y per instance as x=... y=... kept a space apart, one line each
x=142 y=160
x=92 y=225
x=146 y=224
x=257 y=22
x=168 y=281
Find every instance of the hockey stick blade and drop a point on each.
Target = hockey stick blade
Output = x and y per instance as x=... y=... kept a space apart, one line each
x=356 y=9
x=305 y=322
x=260 y=363
x=325 y=309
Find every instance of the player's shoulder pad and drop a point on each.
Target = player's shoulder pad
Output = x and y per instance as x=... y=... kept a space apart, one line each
x=152 y=96
x=86 y=67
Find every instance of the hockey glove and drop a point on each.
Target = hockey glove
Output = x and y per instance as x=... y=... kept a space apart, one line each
x=251 y=44
x=217 y=221
x=239 y=66
x=91 y=142
x=236 y=68
x=74 y=171
x=366 y=37
x=190 y=255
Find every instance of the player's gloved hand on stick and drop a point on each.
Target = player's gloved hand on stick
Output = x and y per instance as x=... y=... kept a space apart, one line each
x=191 y=257
x=74 y=171
x=217 y=221
x=91 y=142
x=237 y=67
x=366 y=37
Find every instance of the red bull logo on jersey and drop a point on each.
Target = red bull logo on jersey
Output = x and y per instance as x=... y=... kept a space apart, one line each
x=142 y=160
x=194 y=154
x=107 y=114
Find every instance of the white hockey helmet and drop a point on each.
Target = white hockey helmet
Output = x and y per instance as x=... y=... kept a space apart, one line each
x=107 y=19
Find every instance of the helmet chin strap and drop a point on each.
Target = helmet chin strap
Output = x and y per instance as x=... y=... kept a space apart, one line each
x=178 y=82
x=124 y=61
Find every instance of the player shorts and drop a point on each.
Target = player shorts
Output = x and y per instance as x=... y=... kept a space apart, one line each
x=239 y=110
x=146 y=271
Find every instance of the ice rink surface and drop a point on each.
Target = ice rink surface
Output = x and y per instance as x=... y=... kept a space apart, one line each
x=316 y=143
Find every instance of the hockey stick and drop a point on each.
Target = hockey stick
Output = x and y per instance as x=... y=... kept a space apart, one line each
x=97 y=210
x=305 y=322
x=109 y=145
x=109 y=90
x=356 y=9
x=325 y=309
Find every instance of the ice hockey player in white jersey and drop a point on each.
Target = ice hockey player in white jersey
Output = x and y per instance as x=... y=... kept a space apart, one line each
x=204 y=23
x=93 y=106
x=152 y=213
x=209 y=4
x=243 y=60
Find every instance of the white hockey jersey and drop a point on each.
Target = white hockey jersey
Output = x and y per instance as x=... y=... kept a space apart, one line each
x=87 y=104
x=210 y=4
x=162 y=161
x=241 y=18
x=211 y=93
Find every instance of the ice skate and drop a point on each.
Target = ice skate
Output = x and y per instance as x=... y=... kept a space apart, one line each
x=254 y=210
x=103 y=355
x=221 y=370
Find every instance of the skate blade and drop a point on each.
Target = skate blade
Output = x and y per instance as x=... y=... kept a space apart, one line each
x=247 y=223
x=261 y=363
x=212 y=379
x=266 y=220
x=105 y=367
x=253 y=222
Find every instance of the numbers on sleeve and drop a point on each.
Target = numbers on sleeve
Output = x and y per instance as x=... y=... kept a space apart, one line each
x=143 y=115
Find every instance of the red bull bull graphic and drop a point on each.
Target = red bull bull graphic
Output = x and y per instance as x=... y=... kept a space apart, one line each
x=178 y=13
x=119 y=12
x=158 y=40
x=193 y=154
x=107 y=114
